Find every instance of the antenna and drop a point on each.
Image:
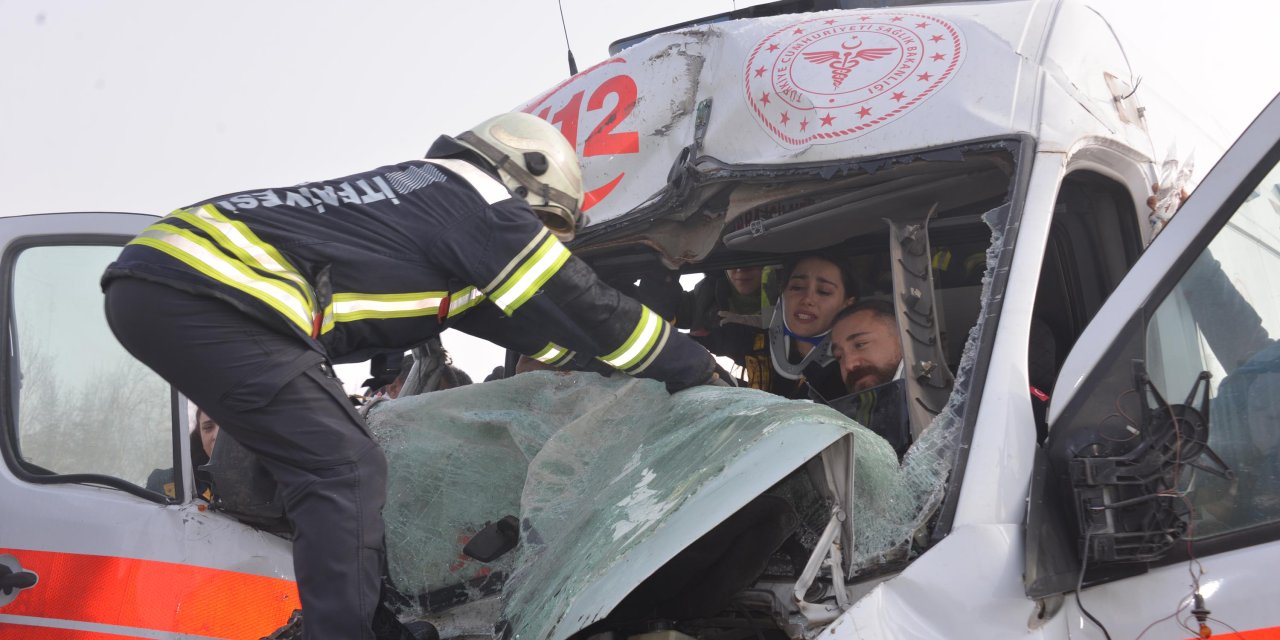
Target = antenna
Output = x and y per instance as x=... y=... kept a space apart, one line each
x=573 y=66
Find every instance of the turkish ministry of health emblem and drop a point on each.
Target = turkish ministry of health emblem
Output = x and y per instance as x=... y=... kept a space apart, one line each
x=830 y=79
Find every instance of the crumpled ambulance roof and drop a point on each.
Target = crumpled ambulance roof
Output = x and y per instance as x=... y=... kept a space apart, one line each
x=798 y=89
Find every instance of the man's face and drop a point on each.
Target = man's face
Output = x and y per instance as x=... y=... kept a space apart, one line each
x=867 y=348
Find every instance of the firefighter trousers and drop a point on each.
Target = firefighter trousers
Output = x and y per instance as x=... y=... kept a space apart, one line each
x=269 y=391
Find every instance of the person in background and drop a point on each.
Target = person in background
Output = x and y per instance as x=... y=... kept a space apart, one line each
x=201 y=440
x=722 y=314
x=208 y=430
x=392 y=390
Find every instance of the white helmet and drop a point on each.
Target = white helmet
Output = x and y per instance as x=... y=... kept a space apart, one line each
x=536 y=163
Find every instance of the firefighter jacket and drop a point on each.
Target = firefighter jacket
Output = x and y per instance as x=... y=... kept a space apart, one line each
x=382 y=260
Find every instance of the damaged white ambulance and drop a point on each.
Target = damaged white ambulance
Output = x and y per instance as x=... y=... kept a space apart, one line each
x=988 y=167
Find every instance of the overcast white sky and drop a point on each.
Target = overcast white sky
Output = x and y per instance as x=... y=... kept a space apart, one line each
x=147 y=105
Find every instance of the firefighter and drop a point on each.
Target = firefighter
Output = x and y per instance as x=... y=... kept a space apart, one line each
x=244 y=301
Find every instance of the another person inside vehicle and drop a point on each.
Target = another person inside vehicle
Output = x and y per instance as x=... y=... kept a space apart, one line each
x=202 y=438
x=867 y=345
x=392 y=390
x=208 y=430
x=816 y=287
x=864 y=340
x=205 y=435
x=722 y=314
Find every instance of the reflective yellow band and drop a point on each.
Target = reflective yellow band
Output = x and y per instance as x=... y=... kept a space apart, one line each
x=203 y=256
x=348 y=307
x=462 y=300
x=658 y=346
x=531 y=275
x=326 y=320
x=236 y=238
x=553 y=354
x=533 y=244
x=640 y=345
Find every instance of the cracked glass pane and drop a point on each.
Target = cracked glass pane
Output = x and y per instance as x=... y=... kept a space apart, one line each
x=610 y=478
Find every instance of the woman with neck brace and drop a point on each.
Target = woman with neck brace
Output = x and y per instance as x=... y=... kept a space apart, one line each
x=816 y=287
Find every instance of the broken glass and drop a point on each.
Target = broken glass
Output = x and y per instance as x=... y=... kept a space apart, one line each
x=593 y=467
x=611 y=477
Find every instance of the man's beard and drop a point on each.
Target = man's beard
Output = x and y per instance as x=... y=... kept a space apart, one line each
x=881 y=376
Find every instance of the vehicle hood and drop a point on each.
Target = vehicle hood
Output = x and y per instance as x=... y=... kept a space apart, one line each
x=610 y=478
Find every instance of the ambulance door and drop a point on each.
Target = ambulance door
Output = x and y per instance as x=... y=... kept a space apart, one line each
x=102 y=531
x=1155 y=506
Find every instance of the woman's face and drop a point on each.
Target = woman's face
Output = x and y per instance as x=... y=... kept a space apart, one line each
x=813 y=295
x=745 y=280
x=208 y=432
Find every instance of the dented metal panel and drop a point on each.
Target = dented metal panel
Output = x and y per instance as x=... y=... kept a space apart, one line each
x=795 y=89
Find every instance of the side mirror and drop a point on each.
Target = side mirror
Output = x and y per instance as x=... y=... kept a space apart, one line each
x=1111 y=492
x=1128 y=485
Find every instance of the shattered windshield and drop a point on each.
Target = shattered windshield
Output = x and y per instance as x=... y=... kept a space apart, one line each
x=551 y=503
x=592 y=467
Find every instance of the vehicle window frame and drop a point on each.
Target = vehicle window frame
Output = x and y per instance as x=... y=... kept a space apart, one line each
x=1020 y=181
x=596 y=248
x=25 y=470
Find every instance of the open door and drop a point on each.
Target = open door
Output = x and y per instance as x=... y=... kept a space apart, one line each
x=102 y=530
x=1158 y=489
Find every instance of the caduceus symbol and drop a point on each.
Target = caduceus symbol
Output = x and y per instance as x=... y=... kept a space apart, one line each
x=844 y=61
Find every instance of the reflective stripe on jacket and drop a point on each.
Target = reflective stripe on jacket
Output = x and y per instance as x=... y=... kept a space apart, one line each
x=382 y=260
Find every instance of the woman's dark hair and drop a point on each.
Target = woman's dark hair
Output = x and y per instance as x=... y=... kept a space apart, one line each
x=847 y=278
x=198 y=456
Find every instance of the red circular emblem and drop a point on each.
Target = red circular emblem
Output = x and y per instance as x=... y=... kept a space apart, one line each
x=833 y=78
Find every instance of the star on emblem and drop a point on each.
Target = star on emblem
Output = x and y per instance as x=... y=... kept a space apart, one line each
x=865 y=18
x=896 y=19
x=937 y=57
x=899 y=96
x=785 y=117
x=804 y=124
x=924 y=76
x=773 y=47
x=922 y=25
x=936 y=39
x=764 y=98
x=863 y=112
x=826 y=120
x=759 y=72
x=829 y=22
x=798 y=31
